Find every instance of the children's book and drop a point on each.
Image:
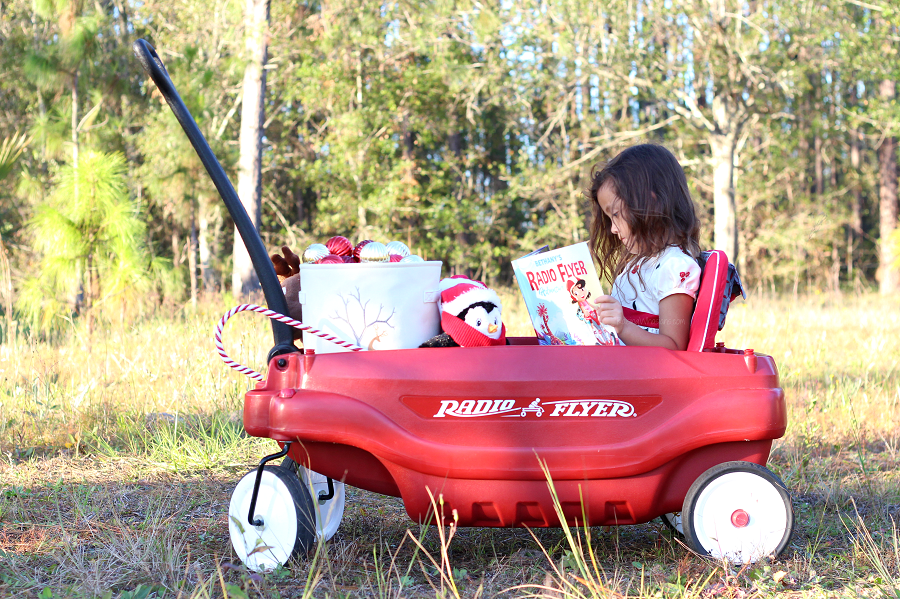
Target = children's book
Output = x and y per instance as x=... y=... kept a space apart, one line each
x=556 y=285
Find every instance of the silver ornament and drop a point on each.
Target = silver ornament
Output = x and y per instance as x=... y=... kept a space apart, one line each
x=314 y=253
x=374 y=252
x=397 y=247
x=411 y=258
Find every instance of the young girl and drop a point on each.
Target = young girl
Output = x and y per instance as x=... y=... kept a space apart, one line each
x=645 y=233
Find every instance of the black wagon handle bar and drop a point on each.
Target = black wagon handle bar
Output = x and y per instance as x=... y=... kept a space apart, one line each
x=275 y=299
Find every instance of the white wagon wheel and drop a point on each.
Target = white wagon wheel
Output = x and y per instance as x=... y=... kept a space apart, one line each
x=672 y=520
x=738 y=511
x=329 y=512
x=287 y=517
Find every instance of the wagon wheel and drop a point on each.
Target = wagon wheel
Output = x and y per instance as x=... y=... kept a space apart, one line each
x=672 y=520
x=287 y=514
x=739 y=512
x=329 y=512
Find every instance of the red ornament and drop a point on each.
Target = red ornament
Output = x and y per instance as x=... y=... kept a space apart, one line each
x=396 y=258
x=339 y=246
x=331 y=259
x=348 y=259
x=360 y=246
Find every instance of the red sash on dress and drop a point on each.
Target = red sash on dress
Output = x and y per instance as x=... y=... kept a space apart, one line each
x=642 y=319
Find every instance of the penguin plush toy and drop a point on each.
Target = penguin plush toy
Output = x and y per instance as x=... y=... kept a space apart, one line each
x=470 y=315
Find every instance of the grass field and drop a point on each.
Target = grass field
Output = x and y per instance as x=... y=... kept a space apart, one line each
x=119 y=454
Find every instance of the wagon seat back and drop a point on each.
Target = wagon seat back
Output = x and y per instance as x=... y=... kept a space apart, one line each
x=719 y=285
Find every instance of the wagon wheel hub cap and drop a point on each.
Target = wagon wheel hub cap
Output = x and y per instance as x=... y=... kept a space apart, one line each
x=740 y=518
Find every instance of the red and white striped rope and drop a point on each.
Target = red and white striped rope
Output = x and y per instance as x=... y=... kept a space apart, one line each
x=274 y=316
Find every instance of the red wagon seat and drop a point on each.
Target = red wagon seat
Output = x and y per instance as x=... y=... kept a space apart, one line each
x=710 y=307
x=705 y=321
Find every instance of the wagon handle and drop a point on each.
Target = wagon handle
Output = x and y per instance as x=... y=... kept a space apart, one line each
x=275 y=299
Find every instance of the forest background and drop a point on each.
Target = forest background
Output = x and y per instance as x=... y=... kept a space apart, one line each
x=466 y=129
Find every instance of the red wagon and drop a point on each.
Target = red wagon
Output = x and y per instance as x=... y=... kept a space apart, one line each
x=627 y=434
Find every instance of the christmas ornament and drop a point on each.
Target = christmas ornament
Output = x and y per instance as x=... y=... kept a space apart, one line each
x=314 y=253
x=348 y=259
x=396 y=258
x=339 y=246
x=359 y=247
x=331 y=259
x=397 y=247
x=411 y=258
x=374 y=251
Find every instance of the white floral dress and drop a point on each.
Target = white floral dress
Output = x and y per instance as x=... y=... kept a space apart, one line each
x=671 y=271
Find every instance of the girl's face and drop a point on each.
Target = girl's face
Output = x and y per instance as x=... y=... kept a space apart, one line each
x=614 y=209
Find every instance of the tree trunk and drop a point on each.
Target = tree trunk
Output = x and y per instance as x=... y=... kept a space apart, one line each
x=299 y=204
x=256 y=19
x=409 y=148
x=855 y=232
x=192 y=258
x=89 y=295
x=819 y=167
x=7 y=294
x=176 y=246
x=889 y=276
x=361 y=221
x=206 y=273
x=726 y=234
x=75 y=134
x=78 y=296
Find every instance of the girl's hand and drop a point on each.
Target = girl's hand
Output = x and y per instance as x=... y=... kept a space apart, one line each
x=609 y=310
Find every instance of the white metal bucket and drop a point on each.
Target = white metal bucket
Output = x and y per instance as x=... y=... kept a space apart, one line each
x=374 y=305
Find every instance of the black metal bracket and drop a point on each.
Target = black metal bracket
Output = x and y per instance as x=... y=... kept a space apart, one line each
x=259 y=470
x=323 y=496
x=268 y=280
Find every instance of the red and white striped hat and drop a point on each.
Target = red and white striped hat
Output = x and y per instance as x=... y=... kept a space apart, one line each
x=459 y=292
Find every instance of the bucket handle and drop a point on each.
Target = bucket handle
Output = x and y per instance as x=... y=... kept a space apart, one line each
x=275 y=316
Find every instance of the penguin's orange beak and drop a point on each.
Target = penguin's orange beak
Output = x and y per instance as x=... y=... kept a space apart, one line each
x=492 y=328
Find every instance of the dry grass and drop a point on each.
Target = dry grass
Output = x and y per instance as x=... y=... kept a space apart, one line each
x=119 y=454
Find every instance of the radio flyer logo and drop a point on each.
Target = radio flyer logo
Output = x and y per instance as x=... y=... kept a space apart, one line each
x=531 y=408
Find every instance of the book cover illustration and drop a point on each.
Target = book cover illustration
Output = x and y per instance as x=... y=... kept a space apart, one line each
x=556 y=285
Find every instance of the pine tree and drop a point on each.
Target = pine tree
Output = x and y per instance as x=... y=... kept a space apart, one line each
x=94 y=237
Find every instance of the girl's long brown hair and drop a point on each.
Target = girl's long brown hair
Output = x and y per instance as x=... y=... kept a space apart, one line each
x=659 y=211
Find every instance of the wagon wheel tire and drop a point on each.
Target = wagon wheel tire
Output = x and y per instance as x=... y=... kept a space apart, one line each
x=672 y=521
x=287 y=514
x=290 y=465
x=739 y=512
x=329 y=513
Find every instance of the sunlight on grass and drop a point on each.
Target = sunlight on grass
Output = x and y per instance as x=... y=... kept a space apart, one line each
x=838 y=360
x=119 y=390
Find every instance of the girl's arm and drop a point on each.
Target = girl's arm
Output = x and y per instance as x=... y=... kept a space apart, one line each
x=674 y=321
